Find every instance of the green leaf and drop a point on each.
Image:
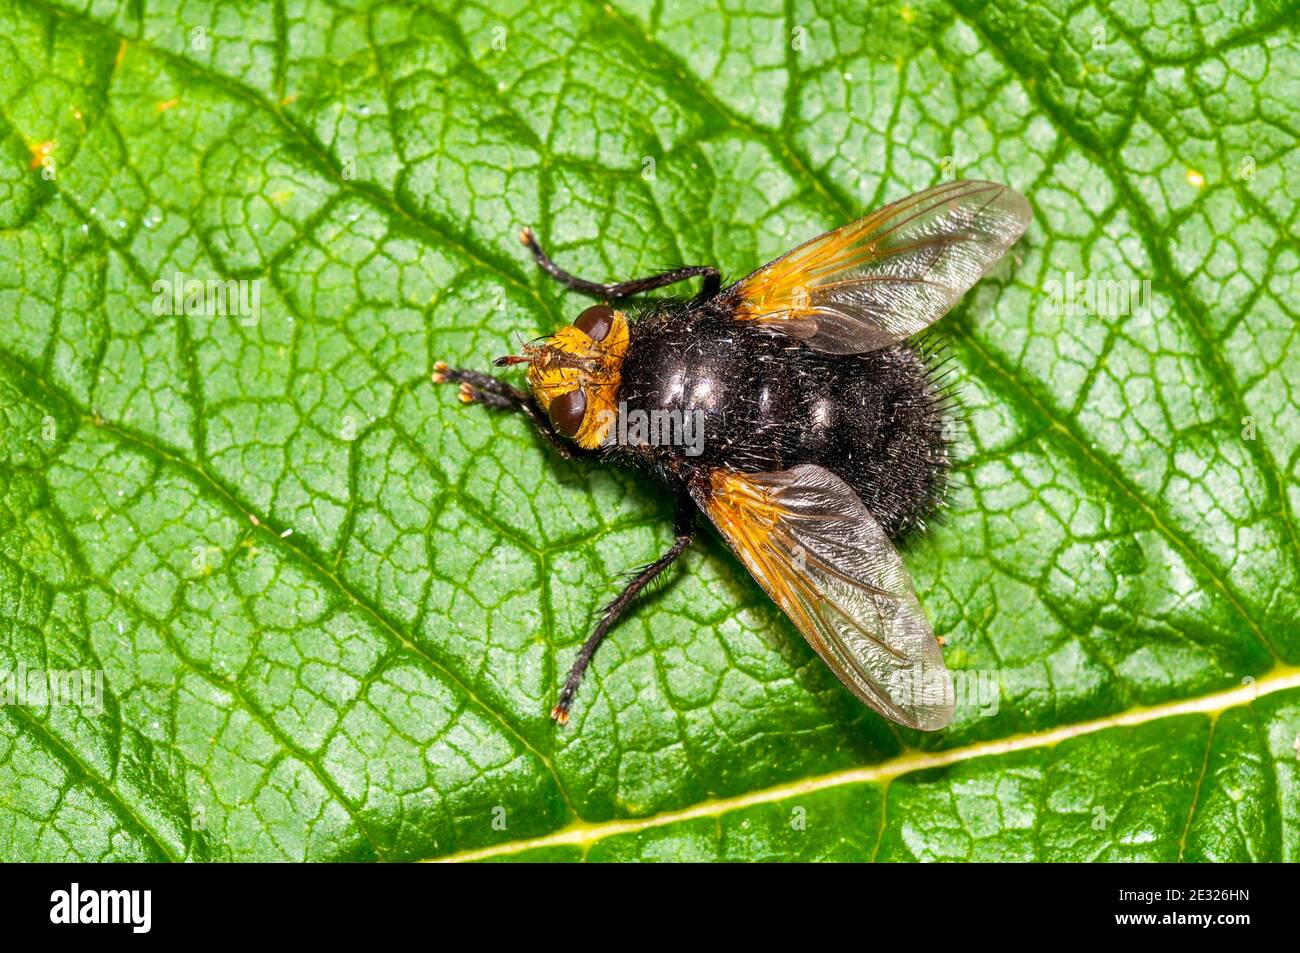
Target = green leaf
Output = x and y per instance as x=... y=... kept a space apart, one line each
x=331 y=606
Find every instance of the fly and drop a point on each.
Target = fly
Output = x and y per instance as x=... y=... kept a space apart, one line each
x=820 y=428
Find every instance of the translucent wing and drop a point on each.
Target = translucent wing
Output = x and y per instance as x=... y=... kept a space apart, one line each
x=822 y=557
x=883 y=278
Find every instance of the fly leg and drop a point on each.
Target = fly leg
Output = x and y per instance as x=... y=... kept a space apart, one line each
x=623 y=289
x=479 y=388
x=684 y=530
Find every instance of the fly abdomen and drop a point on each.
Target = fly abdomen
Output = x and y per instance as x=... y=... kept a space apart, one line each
x=888 y=438
x=753 y=401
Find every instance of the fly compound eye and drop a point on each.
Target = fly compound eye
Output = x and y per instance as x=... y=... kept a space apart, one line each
x=567 y=411
x=596 y=321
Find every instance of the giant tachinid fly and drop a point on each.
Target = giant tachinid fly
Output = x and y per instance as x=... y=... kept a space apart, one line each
x=816 y=437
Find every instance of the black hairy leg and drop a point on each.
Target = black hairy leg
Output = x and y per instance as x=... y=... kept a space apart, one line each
x=623 y=289
x=684 y=531
x=479 y=388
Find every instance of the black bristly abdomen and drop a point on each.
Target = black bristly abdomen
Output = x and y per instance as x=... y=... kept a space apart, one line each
x=763 y=401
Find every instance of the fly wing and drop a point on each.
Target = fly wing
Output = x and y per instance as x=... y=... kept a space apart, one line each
x=822 y=557
x=883 y=278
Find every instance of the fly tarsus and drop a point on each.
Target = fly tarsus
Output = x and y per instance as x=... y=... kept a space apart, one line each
x=477 y=382
x=479 y=388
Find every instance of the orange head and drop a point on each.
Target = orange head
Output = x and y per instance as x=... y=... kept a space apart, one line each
x=575 y=373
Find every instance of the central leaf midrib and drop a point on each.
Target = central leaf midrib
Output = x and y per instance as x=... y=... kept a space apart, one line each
x=1280 y=678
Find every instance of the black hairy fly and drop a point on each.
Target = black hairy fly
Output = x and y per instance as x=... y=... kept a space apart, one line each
x=789 y=408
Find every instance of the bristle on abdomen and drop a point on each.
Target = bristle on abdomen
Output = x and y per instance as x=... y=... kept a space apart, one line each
x=897 y=451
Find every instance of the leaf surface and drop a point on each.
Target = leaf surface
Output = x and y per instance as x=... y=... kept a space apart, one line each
x=332 y=605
